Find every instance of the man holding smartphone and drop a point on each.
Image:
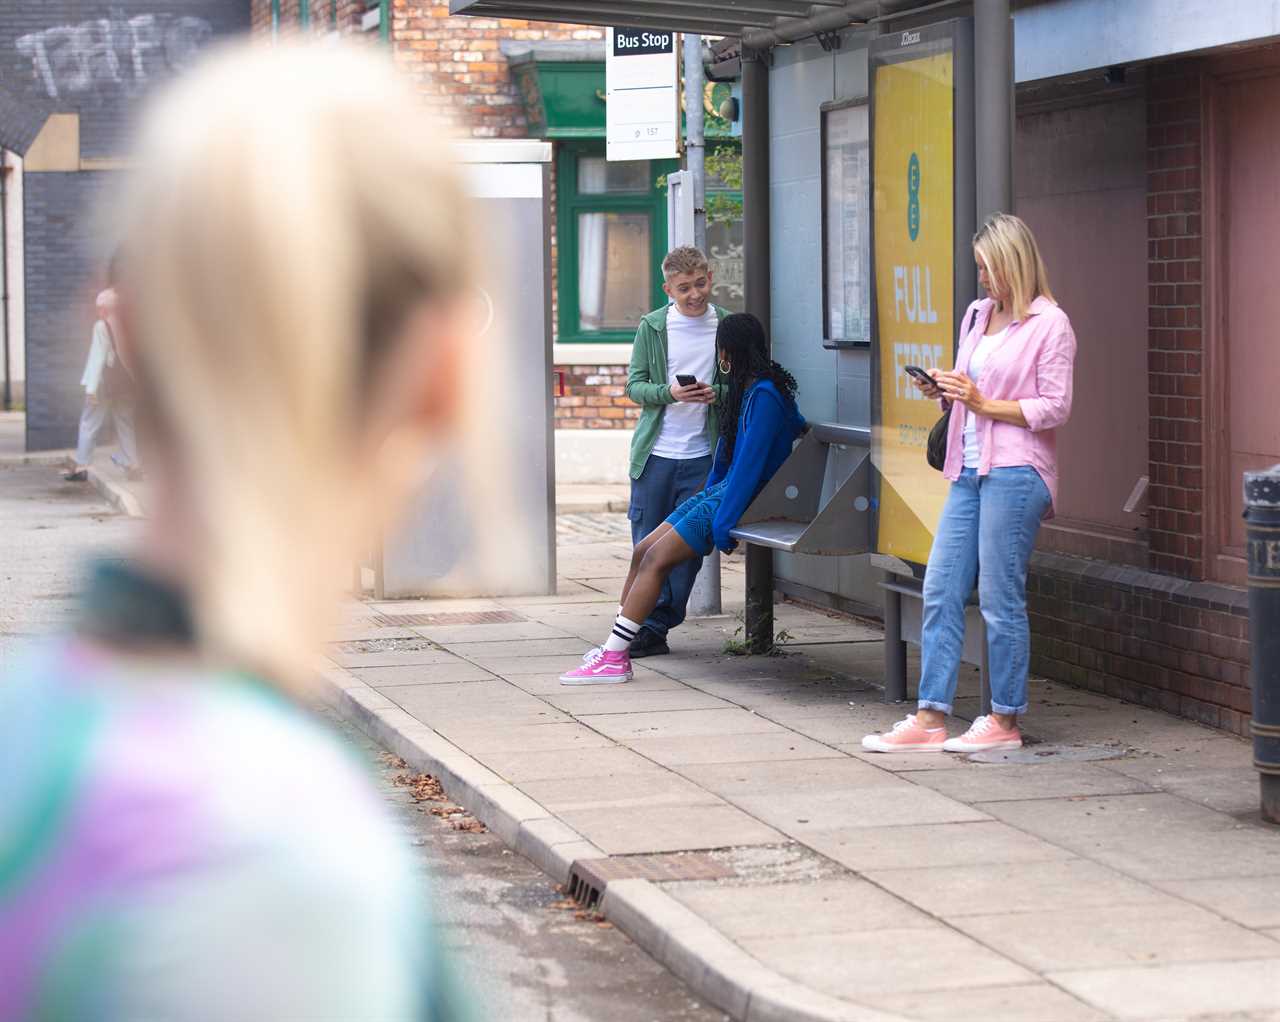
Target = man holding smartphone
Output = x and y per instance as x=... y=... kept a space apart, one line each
x=675 y=380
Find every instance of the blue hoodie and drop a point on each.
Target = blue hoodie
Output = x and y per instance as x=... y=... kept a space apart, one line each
x=767 y=429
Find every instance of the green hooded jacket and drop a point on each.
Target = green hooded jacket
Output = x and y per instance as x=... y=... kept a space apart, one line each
x=648 y=386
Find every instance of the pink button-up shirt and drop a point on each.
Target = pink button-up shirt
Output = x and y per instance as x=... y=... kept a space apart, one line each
x=1033 y=366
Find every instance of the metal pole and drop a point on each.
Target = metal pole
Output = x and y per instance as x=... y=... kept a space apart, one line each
x=895 y=649
x=755 y=247
x=4 y=275
x=704 y=600
x=993 y=92
x=1262 y=538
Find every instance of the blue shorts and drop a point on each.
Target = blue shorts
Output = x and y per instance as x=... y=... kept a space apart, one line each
x=693 y=519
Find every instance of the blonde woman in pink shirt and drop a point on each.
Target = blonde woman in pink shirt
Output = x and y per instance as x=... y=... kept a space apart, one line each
x=1009 y=393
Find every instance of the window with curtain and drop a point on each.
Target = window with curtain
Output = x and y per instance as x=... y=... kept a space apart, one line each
x=611 y=229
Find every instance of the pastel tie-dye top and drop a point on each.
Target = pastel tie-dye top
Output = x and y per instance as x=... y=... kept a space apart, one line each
x=176 y=844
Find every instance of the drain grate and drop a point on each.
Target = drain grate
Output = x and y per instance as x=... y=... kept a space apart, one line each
x=473 y=617
x=589 y=877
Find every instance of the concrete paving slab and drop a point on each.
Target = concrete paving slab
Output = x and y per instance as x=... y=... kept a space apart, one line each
x=1032 y=1002
x=746 y=911
x=582 y=764
x=730 y=748
x=519 y=631
x=903 y=762
x=1250 y=901
x=644 y=680
x=680 y=724
x=571 y=645
x=886 y=961
x=445 y=673
x=989 y=783
x=1230 y=790
x=787 y=776
x=1087 y=938
x=937 y=845
x=392 y=658
x=801 y=813
x=625 y=699
x=953 y=892
x=434 y=606
x=515 y=666
x=1157 y=835
x=498 y=715
x=489 y=691
x=369 y=629
x=1213 y=990
x=659 y=788
x=525 y=738
x=843 y=725
x=569 y=591
x=630 y=831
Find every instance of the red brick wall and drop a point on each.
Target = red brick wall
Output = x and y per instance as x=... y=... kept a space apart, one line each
x=458 y=65
x=1175 y=310
x=593 y=398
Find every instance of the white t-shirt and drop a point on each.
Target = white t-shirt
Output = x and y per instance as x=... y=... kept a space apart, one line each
x=691 y=351
x=977 y=361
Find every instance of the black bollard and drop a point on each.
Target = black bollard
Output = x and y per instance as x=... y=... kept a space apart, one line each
x=1262 y=524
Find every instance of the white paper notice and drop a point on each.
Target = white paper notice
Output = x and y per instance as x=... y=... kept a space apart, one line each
x=642 y=95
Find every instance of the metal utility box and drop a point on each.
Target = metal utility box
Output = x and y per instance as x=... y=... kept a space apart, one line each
x=453 y=541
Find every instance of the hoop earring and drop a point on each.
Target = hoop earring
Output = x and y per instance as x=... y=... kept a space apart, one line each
x=725 y=367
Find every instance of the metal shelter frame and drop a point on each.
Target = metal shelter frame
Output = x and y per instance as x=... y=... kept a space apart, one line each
x=753 y=28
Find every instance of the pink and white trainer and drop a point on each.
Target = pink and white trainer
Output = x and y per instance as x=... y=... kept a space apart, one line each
x=605 y=667
x=985 y=734
x=907 y=736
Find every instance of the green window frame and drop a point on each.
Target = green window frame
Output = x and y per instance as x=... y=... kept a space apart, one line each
x=569 y=204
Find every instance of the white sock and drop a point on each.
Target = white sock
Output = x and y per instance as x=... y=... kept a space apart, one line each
x=620 y=638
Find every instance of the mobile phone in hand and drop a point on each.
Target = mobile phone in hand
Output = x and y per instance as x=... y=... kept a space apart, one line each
x=921 y=375
x=685 y=380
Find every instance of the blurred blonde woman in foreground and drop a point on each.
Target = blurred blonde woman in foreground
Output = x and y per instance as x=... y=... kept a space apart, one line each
x=179 y=839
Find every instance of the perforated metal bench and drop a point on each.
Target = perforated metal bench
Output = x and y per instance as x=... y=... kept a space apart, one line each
x=817 y=502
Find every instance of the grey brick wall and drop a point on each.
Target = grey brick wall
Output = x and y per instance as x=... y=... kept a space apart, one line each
x=60 y=282
x=96 y=58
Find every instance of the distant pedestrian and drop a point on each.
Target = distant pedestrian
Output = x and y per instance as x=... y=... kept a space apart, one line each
x=108 y=390
x=761 y=424
x=679 y=425
x=1011 y=389
x=180 y=838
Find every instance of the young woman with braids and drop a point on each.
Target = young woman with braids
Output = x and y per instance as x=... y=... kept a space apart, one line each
x=759 y=424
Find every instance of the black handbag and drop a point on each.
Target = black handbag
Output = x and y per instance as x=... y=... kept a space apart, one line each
x=936 y=452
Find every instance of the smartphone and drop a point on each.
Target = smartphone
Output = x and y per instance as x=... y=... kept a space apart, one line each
x=920 y=375
x=685 y=380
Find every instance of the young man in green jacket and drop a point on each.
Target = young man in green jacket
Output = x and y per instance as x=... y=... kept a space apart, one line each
x=675 y=438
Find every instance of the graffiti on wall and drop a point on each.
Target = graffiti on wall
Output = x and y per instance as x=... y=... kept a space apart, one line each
x=117 y=52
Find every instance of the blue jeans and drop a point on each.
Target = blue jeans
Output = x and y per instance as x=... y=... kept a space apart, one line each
x=987 y=531
x=663 y=486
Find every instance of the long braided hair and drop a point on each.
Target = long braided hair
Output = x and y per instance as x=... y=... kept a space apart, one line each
x=740 y=339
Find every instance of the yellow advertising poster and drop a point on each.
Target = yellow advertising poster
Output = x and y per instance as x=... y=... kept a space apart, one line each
x=914 y=249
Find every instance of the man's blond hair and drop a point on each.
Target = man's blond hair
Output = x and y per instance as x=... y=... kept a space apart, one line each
x=685 y=259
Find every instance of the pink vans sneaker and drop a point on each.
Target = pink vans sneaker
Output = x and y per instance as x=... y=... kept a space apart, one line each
x=984 y=734
x=907 y=736
x=602 y=668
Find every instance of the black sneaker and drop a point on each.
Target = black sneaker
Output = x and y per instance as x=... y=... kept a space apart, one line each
x=78 y=475
x=648 y=643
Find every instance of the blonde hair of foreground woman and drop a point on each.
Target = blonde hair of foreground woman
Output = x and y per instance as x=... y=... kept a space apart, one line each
x=296 y=279
x=1009 y=251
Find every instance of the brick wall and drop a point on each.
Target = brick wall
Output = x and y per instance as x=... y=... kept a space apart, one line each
x=1169 y=644
x=1162 y=637
x=1175 y=340
x=113 y=55
x=593 y=398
